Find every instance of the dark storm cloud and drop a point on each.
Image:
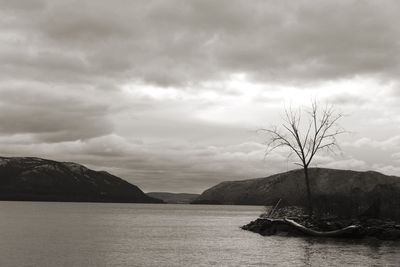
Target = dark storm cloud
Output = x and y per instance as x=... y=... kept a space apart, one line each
x=23 y=5
x=182 y=42
x=51 y=116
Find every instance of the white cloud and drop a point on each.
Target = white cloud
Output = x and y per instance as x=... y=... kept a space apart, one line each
x=347 y=164
x=388 y=144
x=388 y=169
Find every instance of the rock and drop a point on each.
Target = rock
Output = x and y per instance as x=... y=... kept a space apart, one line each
x=384 y=230
x=389 y=234
x=374 y=222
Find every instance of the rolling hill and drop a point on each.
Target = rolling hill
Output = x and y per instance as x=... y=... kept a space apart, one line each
x=174 y=198
x=36 y=179
x=336 y=191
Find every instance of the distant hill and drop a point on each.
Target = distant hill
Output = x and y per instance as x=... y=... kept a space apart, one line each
x=174 y=198
x=36 y=179
x=333 y=190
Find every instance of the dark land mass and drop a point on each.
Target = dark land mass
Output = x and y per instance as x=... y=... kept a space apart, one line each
x=327 y=228
x=293 y=221
x=36 y=179
x=340 y=193
x=174 y=198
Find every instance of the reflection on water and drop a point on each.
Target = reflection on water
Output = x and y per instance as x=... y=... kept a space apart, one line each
x=344 y=252
x=90 y=234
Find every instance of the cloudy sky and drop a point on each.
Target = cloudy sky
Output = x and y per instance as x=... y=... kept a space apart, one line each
x=169 y=94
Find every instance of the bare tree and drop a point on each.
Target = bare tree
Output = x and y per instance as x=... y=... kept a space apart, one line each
x=305 y=140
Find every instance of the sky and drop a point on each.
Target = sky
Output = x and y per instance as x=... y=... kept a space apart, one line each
x=169 y=95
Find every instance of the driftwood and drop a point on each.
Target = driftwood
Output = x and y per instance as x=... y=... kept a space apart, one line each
x=336 y=233
x=383 y=230
x=273 y=210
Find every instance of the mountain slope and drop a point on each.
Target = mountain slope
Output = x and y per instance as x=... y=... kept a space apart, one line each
x=174 y=198
x=332 y=190
x=26 y=178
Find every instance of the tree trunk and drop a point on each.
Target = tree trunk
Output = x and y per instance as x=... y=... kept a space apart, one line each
x=309 y=198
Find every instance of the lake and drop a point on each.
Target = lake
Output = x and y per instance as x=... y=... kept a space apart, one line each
x=108 y=234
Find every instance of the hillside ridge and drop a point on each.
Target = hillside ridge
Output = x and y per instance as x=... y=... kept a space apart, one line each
x=38 y=179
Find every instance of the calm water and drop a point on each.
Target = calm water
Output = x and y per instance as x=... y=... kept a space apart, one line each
x=89 y=234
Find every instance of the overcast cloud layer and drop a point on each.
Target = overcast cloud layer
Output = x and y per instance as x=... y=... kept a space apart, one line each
x=169 y=94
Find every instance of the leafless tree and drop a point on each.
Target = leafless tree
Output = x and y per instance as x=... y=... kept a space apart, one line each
x=305 y=140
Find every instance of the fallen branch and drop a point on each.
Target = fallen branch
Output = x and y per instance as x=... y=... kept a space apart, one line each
x=344 y=231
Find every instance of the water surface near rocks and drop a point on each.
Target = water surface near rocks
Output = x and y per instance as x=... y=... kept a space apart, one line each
x=101 y=234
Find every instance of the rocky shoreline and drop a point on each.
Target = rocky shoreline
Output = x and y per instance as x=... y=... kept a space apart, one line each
x=360 y=228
